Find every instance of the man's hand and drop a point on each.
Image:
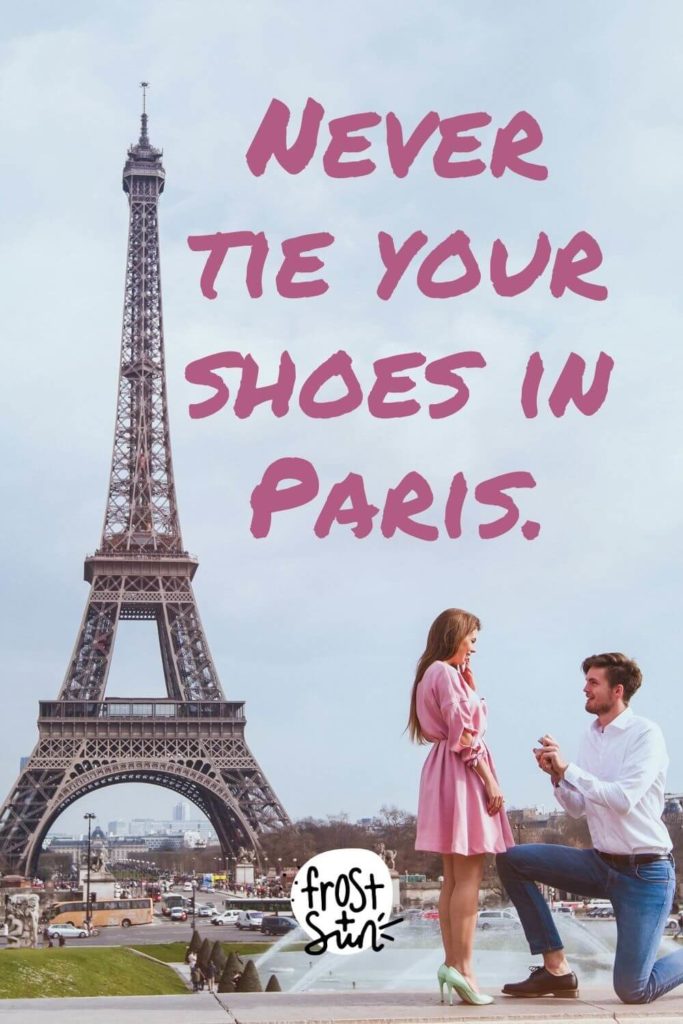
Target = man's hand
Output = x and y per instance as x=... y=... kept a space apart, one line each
x=539 y=754
x=549 y=758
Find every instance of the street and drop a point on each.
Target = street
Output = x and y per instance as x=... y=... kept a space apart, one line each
x=163 y=930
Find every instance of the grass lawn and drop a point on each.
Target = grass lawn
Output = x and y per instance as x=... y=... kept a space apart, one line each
x=33 y=973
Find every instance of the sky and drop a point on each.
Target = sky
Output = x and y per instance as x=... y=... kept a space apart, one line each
x=320 y=637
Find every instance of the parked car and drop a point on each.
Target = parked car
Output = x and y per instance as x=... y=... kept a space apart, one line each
x=600 y=913
x=206 y=911
x=178 y=914
x=672 y=924
x=566 y=911
x=249 y=919
x=226 y=918
x=275 y=924
x=69 y=931
x=506 y=918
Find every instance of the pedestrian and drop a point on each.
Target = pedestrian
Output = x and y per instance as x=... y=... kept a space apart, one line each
x=210 y=975
x=617 y=782
x=194 y=977
x=460 y=811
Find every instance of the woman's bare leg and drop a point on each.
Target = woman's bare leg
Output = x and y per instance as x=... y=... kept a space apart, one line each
x=460 y=909
x=445 y=906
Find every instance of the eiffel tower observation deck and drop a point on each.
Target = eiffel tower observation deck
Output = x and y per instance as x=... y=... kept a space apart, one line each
x=192 y=741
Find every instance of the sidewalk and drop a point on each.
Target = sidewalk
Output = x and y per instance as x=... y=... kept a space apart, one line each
x=596 y=1007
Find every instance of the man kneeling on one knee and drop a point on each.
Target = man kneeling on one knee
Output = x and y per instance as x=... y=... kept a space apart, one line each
x=617 y=781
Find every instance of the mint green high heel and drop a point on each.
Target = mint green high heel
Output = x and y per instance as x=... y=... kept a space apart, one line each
x=441 y=978
x=453 y=979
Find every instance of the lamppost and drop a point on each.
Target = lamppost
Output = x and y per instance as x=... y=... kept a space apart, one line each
x=89 y=817
x=519 y=828
x=194 y=895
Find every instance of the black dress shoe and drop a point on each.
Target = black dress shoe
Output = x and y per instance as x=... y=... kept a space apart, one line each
x=542 y=983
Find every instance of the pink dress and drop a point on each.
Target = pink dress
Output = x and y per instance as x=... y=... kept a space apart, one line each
x=451 y=813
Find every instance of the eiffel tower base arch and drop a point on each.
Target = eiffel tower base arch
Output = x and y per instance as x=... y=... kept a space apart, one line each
x=194 y=749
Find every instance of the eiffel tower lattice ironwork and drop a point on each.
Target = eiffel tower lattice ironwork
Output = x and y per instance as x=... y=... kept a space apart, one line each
x=193 y=740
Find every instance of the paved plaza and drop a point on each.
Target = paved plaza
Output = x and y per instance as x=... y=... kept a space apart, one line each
x=346 y=1008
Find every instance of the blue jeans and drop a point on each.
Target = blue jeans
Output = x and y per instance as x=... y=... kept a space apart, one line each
x=641 y=896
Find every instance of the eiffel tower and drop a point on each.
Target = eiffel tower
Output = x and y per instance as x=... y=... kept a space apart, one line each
x=192 y=741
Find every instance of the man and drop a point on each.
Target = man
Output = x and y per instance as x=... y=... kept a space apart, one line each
x=617 y=782
x=210 y=975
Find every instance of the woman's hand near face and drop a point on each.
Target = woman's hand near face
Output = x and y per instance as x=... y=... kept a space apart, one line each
x=467 y=675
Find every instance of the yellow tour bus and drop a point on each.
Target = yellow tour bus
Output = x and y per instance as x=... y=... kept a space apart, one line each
x=103 y=912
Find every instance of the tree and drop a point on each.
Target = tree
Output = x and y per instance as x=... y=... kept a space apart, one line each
x=53 y=865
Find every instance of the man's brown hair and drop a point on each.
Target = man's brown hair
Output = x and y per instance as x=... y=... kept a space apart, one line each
x=619 y=670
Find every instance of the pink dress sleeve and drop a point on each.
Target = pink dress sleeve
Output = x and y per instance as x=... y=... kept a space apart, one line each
x=457 y=714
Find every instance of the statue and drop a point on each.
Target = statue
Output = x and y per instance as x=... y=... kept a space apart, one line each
x=21 y=915
x=97 y=861
x=388 y=856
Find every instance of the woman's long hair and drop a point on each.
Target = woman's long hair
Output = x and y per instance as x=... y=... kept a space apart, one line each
x=446 y=633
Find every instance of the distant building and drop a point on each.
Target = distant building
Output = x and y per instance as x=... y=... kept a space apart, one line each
x=181 y=811
x=531 y=824
x=115 y=849
x=139 y=836
x=165 y=841
x=193 y=839
x=673 y=804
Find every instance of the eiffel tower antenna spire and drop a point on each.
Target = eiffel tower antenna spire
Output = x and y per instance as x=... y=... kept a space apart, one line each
x=192 y=741
x=144 y=141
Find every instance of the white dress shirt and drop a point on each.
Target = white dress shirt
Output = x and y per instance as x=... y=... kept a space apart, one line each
x=618 y=783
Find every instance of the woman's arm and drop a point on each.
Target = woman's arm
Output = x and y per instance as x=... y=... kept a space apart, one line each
x=494 y=795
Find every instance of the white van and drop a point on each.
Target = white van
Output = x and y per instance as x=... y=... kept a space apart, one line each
x=250 y=919
x=505 y=918
x=566 y=907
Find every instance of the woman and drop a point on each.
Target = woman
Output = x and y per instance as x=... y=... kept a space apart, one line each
x=460 y=811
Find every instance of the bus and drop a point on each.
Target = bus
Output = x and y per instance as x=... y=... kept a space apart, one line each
x=171 y=900
x=103 y=912
x=266 y=904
